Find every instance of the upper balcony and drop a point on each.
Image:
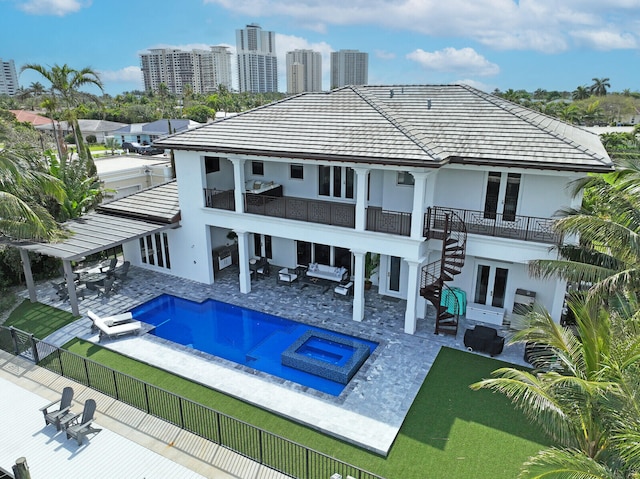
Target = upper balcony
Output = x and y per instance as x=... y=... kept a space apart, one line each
x=312 y=211
x=524 y=228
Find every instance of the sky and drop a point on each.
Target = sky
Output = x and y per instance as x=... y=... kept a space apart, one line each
x=488 y=44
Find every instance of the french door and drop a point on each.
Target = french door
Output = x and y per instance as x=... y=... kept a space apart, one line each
x=502 y=193
x=336 y=181
x=491 y=285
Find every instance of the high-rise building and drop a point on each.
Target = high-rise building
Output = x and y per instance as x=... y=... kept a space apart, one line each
x=257 y=61
x=304 y=71
x=349 y=67
x=204 y=70
x=8 y=78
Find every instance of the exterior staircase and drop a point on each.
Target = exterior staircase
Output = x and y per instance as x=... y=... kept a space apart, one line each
x=447 y=226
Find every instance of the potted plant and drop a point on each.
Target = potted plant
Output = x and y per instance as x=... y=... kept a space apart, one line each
x=371 y=262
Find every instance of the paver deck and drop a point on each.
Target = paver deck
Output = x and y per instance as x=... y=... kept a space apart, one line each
x=371 y=409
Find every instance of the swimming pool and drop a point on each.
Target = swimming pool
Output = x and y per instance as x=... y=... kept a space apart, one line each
x=241 y=335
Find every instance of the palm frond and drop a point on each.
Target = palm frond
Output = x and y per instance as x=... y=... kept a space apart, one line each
x=554 y=463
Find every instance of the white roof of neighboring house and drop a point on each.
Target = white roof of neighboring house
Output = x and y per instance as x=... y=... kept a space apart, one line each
x=112 y=164
x=404 y=125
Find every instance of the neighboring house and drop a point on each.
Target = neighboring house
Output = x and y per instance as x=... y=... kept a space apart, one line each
x=146 y=133
x=99 y=128
x=127 y=174
x=25 y=116
x=450 y=186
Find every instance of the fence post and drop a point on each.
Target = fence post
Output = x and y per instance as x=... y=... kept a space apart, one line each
x=115 y=384
x=146 y=397
x=86 y=371
x=34 y=349
x=14 y=338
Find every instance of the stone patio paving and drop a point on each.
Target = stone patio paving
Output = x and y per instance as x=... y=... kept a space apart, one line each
x=377 y=398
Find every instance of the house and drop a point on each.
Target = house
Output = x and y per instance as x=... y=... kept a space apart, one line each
x=453 y=188
x=126 y=174
x=98 y=128
x=26 y=116
x=146 y=133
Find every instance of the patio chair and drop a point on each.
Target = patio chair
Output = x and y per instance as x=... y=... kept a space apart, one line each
x=61 y=290
x=62 y=413
x=108 y=288
x=111 y=267
x=343 y=290
x=79 y=426
x=121 y=272
x=286 y=277
x=114 y=326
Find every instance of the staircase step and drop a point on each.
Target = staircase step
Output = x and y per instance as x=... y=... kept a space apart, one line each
x=451 y=270
x=445 y=317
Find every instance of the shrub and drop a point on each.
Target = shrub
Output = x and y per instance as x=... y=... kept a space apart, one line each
x=91 y=139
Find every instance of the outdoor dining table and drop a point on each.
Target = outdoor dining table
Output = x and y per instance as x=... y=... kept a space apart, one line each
x=95 y=278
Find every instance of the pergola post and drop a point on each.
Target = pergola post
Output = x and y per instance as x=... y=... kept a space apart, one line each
x=28 y=275
x=71 y=287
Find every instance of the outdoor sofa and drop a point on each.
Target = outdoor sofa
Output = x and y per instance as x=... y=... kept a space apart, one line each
x=323 y=271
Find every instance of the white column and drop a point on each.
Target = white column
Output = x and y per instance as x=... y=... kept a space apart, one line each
x=358 y=286
x=413 y=286
x=28 y=275
x=361 y=197
x=243 y=261
x=417 y=213
x=558 y=300
x=238 y=180
x=71 y=287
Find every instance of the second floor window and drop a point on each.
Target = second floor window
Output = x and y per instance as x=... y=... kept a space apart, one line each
x=211 y=164
x=257 y=168
x=405 y=178
x=297 y=172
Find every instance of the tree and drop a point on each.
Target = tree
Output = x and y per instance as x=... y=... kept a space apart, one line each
x=65 y=87
x=21 y=215
x=581 y=93
x=599 y=87
x=583 y=393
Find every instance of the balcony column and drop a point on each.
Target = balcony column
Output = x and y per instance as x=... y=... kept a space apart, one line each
x=238 y=183
x=413 y=288
x=71 y=286
x=417 y=214
x=358 y=285
x=243 y=261
x=362 y=174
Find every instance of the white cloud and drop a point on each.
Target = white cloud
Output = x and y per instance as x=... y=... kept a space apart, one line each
x=126 y=74
x=605 y=39
x=464 y=60
x=476 y=84
x=385 y=55
x=53 y=7
x=540 y=25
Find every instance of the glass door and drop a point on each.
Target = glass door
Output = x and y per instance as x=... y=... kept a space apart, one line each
x=502 y=190
x=491 y=285
x=394 y=273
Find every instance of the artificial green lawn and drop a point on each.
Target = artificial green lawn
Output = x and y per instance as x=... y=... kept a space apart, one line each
x=449 y=432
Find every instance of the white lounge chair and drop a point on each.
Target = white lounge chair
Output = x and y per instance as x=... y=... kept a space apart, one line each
x=114 y=326
x=343 y=290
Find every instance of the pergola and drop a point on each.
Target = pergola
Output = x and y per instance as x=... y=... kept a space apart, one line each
x=150 y=211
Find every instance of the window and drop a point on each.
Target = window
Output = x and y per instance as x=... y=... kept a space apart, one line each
x=257 y=168
x=211 y=164
x=154 y=250
x=337 y=181
x=405 y=178
x=297 y=172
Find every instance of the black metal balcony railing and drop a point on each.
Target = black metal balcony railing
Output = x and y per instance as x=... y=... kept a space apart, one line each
x=312 y=211
x=219 y=199
x=525 y=228
x=384 y=221
x=302 y=209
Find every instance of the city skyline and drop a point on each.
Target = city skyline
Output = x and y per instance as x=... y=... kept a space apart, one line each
x=488 y=44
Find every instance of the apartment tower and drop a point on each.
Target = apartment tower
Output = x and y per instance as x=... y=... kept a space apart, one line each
x=304 y=71
x=8 y=78
x=204 y=70
x=257 y=62
x=349 y=67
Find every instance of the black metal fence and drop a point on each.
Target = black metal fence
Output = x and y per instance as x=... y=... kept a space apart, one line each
x=268 y=449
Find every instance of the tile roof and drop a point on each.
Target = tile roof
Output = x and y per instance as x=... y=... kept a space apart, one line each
x=410 y=125
x=31 y=117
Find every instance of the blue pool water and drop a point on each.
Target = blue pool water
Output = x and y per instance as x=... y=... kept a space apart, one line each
x=240 y=335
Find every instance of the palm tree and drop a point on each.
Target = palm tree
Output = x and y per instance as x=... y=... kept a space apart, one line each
x=65 y=86
x=21 y=215
x=583 y=393
x=581 y=93
x=599 y=87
